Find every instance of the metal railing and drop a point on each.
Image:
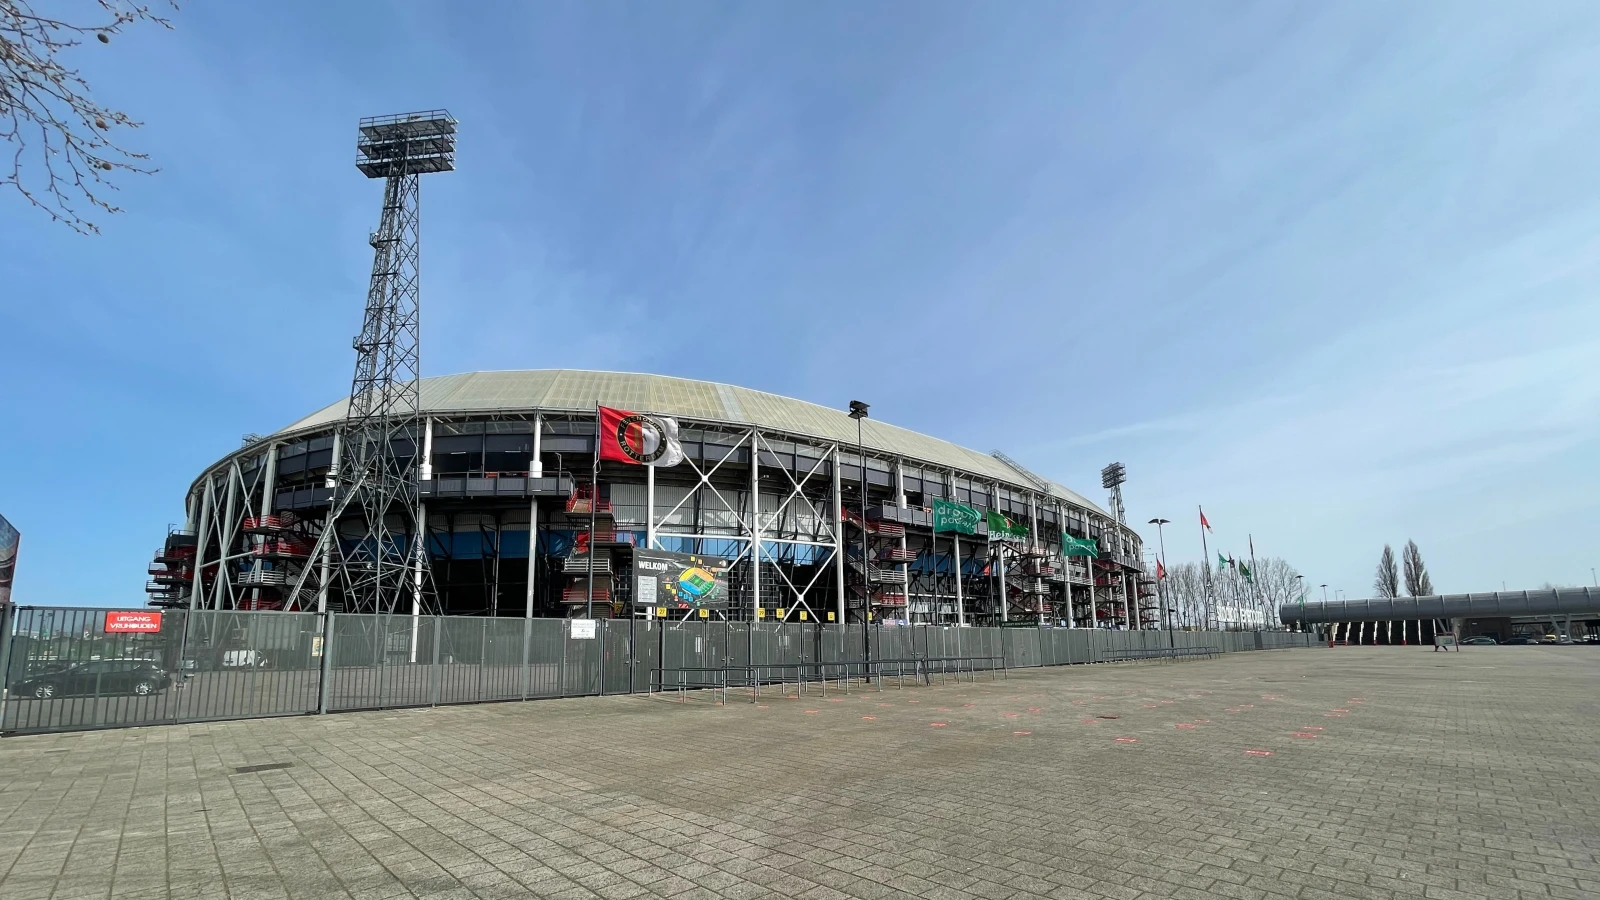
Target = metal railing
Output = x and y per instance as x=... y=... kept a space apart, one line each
x=72 y=668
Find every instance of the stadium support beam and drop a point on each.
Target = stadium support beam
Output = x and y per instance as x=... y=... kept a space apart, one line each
x=650 y=507
x=226 y=530
x=755 y=526
x=202 y=534
x=269 y=484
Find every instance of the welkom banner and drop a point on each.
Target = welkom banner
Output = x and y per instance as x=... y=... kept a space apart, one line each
x=1071 y=546
x=1001 y=528
x=949 y=516
x=679 y=580
x=639 y=438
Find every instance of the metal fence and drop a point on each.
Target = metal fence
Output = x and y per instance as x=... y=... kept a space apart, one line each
x=67 y=668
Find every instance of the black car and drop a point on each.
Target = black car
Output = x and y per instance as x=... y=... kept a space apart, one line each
x=140 y=677
x=1483 y=639
x=1522 y=639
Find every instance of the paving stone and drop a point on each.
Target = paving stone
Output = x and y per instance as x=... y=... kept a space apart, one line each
x=1456 y=777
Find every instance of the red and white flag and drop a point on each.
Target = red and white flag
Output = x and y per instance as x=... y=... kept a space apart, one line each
x=1203 y=523
x=639 y=439
x=1161 y=571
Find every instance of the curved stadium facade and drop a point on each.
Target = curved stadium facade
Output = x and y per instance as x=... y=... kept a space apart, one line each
x=507 y=493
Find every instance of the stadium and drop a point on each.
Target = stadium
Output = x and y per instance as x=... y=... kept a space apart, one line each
x=514 y=503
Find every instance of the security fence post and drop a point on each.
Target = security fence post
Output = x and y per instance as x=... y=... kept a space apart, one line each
x=438 y=622
x=8 y=614
x=527 y=640
x=326 y=623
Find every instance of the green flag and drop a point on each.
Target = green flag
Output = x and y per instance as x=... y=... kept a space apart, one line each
x=1071 y=546
x=1001 y=527
x=949 y=516
x=1222 y=561
x=1245 y=571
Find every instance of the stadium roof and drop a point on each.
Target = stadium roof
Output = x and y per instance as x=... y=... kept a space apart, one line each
x=578 y=391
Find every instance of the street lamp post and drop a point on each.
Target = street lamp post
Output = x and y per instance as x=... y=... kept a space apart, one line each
x=1161 y=562
x=1301 y=579
x=858 y=411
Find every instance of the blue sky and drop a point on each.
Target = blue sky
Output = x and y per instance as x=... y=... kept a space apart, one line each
x=1328 y=269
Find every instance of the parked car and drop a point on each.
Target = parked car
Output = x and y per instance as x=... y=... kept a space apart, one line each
x=1521 y=639
x=140 y=677
x=1480 y=639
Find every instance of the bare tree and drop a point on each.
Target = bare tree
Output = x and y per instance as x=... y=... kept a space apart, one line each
x=1386 y=585
x=1418 y=584
x=64 y=151
x=1280 y=585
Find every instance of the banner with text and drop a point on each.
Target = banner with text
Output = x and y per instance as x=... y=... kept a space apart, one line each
x=679 y=580
x=949 y=516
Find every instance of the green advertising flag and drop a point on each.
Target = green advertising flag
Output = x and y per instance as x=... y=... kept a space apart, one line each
x=1001 y=527
x=949 y=516
x=1245 y=571
x=1222 y=561
x=1071 y=546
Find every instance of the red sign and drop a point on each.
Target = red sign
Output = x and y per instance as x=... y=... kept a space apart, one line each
x=133 y=622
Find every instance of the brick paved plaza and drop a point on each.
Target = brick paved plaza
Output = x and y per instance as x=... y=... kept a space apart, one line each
x=1355 y=772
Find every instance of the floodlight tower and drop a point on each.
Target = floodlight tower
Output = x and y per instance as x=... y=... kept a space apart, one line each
x=379 y=559
x=1112 y=478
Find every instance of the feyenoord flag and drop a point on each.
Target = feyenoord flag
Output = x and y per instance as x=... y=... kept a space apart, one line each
x=638 y=438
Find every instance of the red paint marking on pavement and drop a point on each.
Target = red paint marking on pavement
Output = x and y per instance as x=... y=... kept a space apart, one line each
x=811 y=712
x=1185 y=725
x=1126 y=740
x=1306 y=734
x=1310 y=727
x=1035 y=709
x=869 y=718
x=835 y=700
x=1022 y=732
x=1012 y=715
x=1258 y=752
x=885 y=704
x=938 y=724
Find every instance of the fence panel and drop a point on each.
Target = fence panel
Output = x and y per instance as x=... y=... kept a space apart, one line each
x=1022 y=647
x=65 y=672
x=614 y=637
x=240 y=665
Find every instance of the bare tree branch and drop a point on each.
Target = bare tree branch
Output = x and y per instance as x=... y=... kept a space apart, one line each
x=64 y=155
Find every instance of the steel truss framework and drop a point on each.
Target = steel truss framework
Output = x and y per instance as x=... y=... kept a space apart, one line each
x=748 y=488
x=381 y=565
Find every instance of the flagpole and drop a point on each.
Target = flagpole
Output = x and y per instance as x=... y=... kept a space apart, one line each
x=594 y=500
x=1205 y=569
x=1255 y=586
